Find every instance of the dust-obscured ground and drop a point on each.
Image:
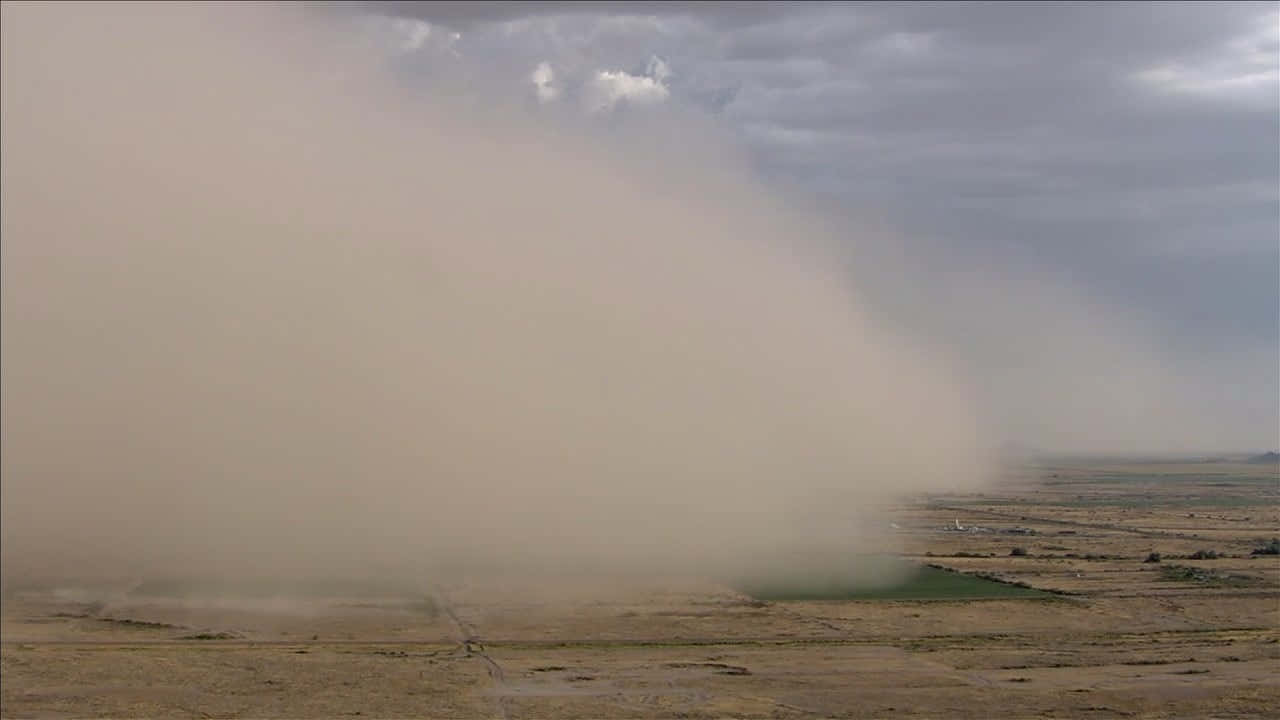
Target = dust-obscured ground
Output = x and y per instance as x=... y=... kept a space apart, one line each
x=1112 y=636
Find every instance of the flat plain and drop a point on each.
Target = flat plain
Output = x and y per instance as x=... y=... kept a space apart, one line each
x=1037 y=598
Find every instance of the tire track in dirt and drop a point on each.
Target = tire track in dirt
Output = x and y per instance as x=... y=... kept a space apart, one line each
x=470 y=644
x=825 y=624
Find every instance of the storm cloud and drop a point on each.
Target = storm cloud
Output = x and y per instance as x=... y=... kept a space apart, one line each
x=1127 y=155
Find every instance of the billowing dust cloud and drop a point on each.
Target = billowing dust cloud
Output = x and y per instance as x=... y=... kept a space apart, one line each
x=267 y=311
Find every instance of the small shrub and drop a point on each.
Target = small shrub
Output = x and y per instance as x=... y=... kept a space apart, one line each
x=1204 y=555
x=211 y=636
x=1018 y=552
x=1183 y=573
x=1271 y=548
x=1152 y=558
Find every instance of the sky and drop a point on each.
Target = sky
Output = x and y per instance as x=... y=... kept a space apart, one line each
x=1127 y=154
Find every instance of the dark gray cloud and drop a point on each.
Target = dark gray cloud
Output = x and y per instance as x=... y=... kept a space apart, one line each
x=1131 y=150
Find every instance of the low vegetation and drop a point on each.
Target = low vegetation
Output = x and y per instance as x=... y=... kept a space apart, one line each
x=222 y=635
x=1271 y=548
x=927 y=583
x=141 y=624
x=1185 y=573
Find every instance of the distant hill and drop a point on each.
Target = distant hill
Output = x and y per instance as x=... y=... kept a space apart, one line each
x=1267 y=458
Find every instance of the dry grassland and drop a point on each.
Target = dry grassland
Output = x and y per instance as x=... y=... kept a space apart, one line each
x=1112 y=636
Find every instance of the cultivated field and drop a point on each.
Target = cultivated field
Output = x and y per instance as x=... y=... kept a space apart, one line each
x=1076 y=624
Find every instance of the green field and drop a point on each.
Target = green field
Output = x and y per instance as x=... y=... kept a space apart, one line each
x=921 y=582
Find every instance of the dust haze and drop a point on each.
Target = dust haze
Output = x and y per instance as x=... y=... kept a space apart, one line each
x=267 y=311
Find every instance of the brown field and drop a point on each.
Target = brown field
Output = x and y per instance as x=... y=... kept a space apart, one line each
x=1116 y=637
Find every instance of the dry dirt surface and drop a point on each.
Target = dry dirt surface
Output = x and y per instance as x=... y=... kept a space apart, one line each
x=1190 y=636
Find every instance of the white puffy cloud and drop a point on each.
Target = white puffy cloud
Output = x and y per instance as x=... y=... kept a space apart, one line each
x=658 y=69
x=543 y=77
x=608 y=87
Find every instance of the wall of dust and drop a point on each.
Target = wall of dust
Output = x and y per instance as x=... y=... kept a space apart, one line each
x=265 y=312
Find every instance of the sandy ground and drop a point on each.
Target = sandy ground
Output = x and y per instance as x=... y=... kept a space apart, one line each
x=1122 y=640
